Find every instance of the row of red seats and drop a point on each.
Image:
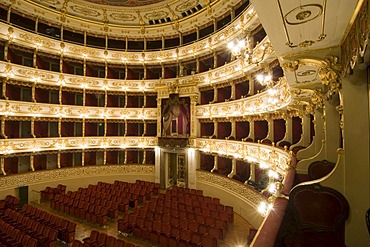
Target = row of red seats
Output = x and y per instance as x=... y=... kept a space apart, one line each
x=182 y=219
x=50 y=192
x=9 y=202
x=81 y=209
x=66 y=228
x=101 y=239
x=167 y=235
x=210 y=207
x=12 y=237
x=44 y=235
x=74 y=201
x=188 y=191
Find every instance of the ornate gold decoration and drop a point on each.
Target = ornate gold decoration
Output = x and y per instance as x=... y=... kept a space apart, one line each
x=246 y=193
x=122 y=16
x=270 y=100
x=276 y=158
x=37 y=40
x=356 y=41
x=29 y=145
x=85 y=11
x=184 y=6
x=303 y=14
x=330 y=75
x=32 y=178
x=156 y=15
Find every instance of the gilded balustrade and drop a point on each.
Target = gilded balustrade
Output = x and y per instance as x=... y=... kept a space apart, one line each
x=30 y=109
x=275 y=158
x=29 y=145
x=39 y=177
x=232 y=70
x=275 y=98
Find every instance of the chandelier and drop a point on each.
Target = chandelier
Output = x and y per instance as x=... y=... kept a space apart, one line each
x=242 y=48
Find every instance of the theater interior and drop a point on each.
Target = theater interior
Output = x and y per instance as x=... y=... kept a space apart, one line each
x=184 y=123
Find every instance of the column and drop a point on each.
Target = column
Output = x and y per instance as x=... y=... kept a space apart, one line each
x=215 y=163
x=252 y=173
x=233 y=169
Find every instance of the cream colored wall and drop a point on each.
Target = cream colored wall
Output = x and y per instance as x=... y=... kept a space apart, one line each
x=356 y=168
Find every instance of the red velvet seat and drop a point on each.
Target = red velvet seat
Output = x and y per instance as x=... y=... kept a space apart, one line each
x=110 y=241
x=92 y=238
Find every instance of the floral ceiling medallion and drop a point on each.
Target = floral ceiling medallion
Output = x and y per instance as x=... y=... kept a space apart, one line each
x=303 y=14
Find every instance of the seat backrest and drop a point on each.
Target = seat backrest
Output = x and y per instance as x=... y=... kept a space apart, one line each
x=102 y=238
x=94 y=235
x=319 y=208
x=110 y=241
x=120 y=243
x=319 y=169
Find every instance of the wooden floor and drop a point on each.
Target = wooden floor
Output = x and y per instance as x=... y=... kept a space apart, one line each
x=236 y=235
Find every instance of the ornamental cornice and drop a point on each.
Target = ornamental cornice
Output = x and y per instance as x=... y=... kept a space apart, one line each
x=307 y=71
x=276 y=158
x=29 y=145
x=239 y=190
x=270 y=100
x=32 y=178
x=202 y=47
x=41 y=110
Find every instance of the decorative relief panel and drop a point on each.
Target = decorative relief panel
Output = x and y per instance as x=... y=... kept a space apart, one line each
x=20 y=108
x=75 y=172
x=36 y=40
x=247 y=194
x=10 y=146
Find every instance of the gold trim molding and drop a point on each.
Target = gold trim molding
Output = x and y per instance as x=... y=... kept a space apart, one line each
x=239 y=190
x=38 y=177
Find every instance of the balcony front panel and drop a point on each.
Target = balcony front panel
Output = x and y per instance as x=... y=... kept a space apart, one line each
x=276 y=158
x=123 y=21
x=232 y=70
x=29 y=109
x=199 y=48
x=268 y=101
x=29 y=145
